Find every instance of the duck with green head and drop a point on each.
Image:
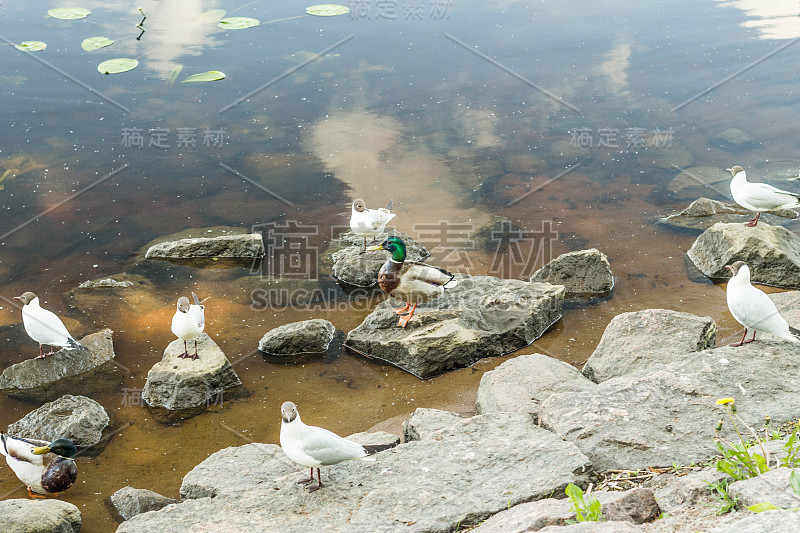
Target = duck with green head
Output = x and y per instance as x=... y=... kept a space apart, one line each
x=409 y=281
x=46 y=468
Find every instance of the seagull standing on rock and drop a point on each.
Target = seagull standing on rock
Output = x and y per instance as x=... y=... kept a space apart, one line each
x=313 y=446
x=44 y=326
x=759 y=197
x=369 y=222
x=753 y=309
x=188 y=322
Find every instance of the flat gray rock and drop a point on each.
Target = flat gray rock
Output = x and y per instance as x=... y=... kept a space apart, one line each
x=679 y=493
x=67 y=372
x=128 y=502
x=585 y=274
x=520 y=384
x=637 y=506
x=39 y=516
x=771 y=252
x=482 y=316
x=704 y=213
x=459 y=475
x=594 y=527
x=667 y=415
x=770 y=487
x=358 y=269
x=424 y=421
x=77 y=418
x=179 y=388
x=236 y=468
x=640 y=339
x=766 y=522
x=297 y=338
x=220 y=242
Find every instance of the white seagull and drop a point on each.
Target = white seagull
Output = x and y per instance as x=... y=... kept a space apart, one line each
x=753 y=309
x=759 y=197
x=313 y=446
x=44 y=326
x=369 y=222
x=188 y=322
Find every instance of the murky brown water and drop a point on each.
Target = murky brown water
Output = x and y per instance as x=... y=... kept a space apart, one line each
x=399 y=112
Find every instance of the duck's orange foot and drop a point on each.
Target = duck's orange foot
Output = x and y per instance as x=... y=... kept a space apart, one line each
x=403 y=309
x=404 y=320
x=35 y=495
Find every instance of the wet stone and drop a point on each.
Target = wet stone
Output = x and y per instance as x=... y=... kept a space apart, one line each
x=66 y=372
x=297 y=338
x=39 y=516
x=77 y=418
x=704 y=213
x=127 y=502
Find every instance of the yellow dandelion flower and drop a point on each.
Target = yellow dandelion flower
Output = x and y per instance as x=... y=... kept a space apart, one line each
x=725 y=401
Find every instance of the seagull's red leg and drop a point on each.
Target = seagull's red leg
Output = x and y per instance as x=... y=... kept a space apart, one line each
x=752 y=223
x=195 y=356
x=185 y=353
x=751 y=340
x=407 y=318
x=742 y=341
x=309 y=480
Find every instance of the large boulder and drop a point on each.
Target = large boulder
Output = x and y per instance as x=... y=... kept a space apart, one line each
x=771 y=252
x=77 y=418
x=178 y=388
x=666 y=415
x=704 y=213
x=424 y=421
x=520 y=384
x=236 y=468
x=585 y=273
x=39 y=516
x=297 y=338
x=206 y=243
x=351 y=266
x=127 y=502
x=482 y=316
x=82 y=372
x=640 y=339
x=457 y=475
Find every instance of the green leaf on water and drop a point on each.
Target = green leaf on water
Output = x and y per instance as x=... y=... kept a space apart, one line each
x=327 y=10
x=238 y=23
x=31 y=46
x=115 y=66
x=211 y=75
x=763 y=506
x=94 y=43
x=69 y=13
x=173 y=75
x=211 y=16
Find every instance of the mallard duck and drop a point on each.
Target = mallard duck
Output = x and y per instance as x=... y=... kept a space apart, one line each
x=44 y=326
x=759 y=197
x=409 y=281
x=44 y=467
x=369 y=222
x=188 y=322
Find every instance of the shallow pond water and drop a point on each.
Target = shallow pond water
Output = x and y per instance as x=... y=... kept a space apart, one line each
x=569 y=122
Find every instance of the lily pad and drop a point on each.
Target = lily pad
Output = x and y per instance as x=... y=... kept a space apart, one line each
x=69 y=13
x=327 y=10
x=211 y=75
x=115 y=66
x=211 y=16
x=31 y=46
x=238 y=23
x=94 y=43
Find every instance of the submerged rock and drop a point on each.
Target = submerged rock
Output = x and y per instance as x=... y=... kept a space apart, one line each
x=733 y=140
x=106 y=283
x=179 y=388
x=308 y=336
x=358 y=269
x=482 y=316
x=218 y=242
x=67 y=372
x=128 y=502
x=459 y=475
x=641 y=339
x=585 y=273
x=704 y=213
x=39 y=516
x=771 y=252
x=77 y=418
